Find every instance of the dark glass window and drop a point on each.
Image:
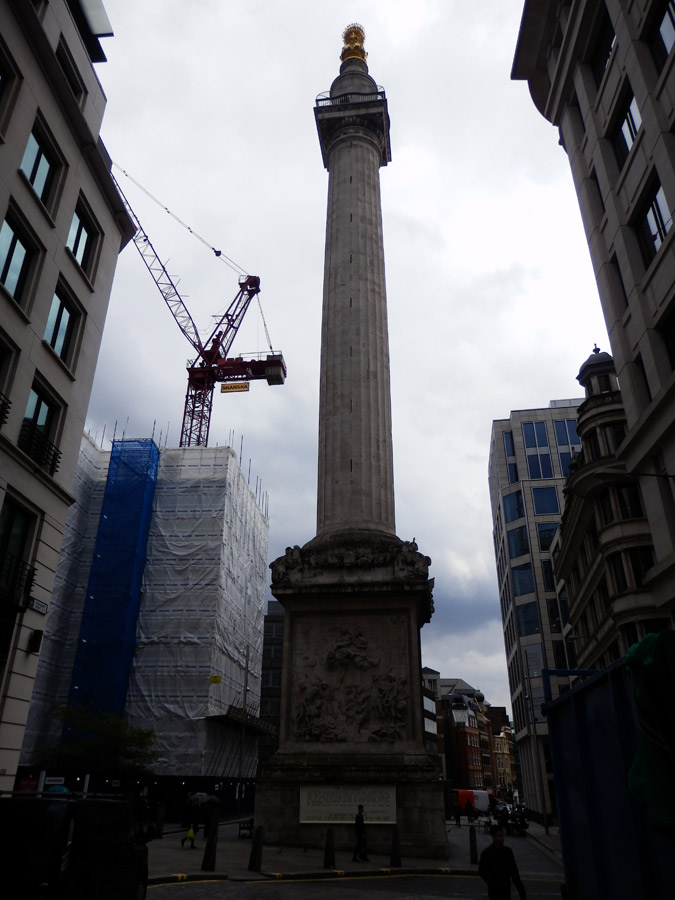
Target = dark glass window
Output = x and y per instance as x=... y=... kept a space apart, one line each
x=605 y=508
x=523 y=579
x=565 y=462
x=546 y=467
x=641 y=559
x=547 y=572
x=508 y=444
x=518 y=542
x=603 y=47
x=654 y=224
x=60 y=326
x=528 y=619
x=664 y=36
x=545 y=501
x=546 y=531
x=533 y=467
x=616 y=567
x=529 y=435
x=513 y=473
x=39 y=166
x=82 y=240
x=615 y=432
x=559 y=656
x=513 y=506
x=38 y=429
x=629 y=124
x=630 y=503
x=554 y=615
x=15 y=260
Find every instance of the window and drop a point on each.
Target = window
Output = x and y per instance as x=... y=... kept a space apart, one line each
x=513 y=506
x=641 y=560
x=70 y=70
x=566 y=433
x=615 y=432
x=654 y=224
x=518 y=542
x=536 y=448
x=523 y=579
x=534 y=661
x=8 y=355
x=554 y=615
x=559 y=657
x=513 y=473
x=61 y=328
x=616 y=567
x=603 y=47
x=508 y=444
x=528 y=619
x=546 y=531
x=17 y=532
x=664 y=36
x=547 y=572
x=545 y=501
x=605 y=508
x=38 y=429
x=9 y=86
x=39 y=165
x=630 y=504
x=626 y=130
x=83 y=239
x=16 y=258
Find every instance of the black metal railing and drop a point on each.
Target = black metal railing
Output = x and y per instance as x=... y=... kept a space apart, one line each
x=35 y=444
x=327 y=100
x=16 y=579
x=5 y=405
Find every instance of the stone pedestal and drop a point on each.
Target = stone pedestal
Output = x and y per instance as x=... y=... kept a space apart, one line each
x=351 y=717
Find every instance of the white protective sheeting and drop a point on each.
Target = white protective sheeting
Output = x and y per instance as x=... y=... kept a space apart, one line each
x=200 y=627
x=201 y=620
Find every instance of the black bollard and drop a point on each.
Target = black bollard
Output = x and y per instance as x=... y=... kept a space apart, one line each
x=255 y=859
x=473 y=849
x=211 y=834
x=159 y=823
x=329 y=852
x=395 y=849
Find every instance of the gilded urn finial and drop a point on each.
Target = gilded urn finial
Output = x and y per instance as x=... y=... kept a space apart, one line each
x=353 y=37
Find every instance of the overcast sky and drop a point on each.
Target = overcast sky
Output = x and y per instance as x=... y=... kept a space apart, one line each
x=492 y=301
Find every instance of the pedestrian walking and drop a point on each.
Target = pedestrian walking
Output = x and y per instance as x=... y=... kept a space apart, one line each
x=497 y=866
x=192 y=817
x=361 y=846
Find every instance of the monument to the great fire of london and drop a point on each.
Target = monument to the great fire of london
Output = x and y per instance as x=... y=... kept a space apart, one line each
x=355 y=596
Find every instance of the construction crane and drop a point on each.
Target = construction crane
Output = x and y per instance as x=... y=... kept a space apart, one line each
x=211 y=364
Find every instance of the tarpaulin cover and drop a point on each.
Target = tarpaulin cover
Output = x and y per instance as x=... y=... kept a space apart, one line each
x=198 y=635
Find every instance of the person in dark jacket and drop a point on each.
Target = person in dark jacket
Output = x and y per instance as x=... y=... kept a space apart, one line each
x=497 y=866
x=361 y=845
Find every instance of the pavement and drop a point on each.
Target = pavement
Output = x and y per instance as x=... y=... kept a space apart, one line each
x=537 y=854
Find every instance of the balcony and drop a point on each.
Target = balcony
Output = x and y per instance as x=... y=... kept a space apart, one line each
x=35 y=444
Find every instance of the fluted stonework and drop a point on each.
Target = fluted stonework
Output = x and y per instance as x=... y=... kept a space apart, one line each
x=355 y=596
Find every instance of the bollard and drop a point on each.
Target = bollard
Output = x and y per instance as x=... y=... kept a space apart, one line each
x=395 y=849
x=473 y=849
x=209 y=858
x=329 y=852
x=255 y=859
x=159 y=823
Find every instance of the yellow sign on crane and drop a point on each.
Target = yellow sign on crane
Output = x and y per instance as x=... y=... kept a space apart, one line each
x=233 y=386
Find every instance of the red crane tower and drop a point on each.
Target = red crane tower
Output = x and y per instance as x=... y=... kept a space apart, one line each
x=212 y=364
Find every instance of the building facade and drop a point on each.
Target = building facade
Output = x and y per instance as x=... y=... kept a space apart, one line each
x=530 y=457
x=603 y=72
x=604 y=551
x=62 y=225
x=157 y=608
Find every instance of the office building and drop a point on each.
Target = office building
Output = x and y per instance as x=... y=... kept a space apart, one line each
x=62 y=226
x=530 y=457
x=603 y=73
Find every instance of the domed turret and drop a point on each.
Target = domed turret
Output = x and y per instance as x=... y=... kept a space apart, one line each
x=597 y=375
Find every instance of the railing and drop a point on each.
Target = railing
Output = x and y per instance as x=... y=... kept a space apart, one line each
x=5 y=404
x=16 y=578
x=325 y=99
x=35 y=444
